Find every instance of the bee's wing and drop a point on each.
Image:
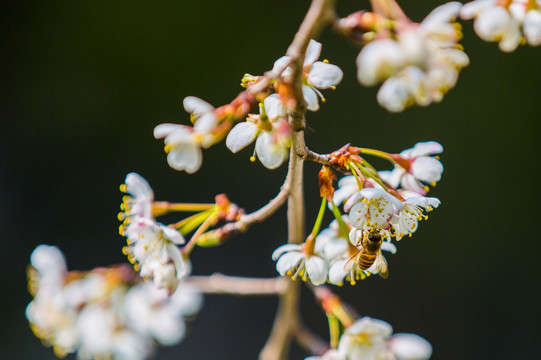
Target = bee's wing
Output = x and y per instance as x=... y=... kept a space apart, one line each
x=352 y=258
x=380 y=266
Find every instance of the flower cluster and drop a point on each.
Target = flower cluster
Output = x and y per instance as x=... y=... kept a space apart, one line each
x=509 y=22
x=370 y=339
x=379 y=206
x=183 y=143
x=106 y=313
x=417 y=62
x=151 y=246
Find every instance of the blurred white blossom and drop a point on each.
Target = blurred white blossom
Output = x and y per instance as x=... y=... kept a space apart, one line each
x=418 y=66
x=509 y=23
x=106 y=313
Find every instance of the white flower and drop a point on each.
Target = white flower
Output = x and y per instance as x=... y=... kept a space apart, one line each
x=420 y=66
x=153 y=247
x=410 y=347
x=183 y=143
x=371 y=209
x=155 y=314
x=366 y=339
x=272 y=133
x=293 y=261
x=103 y=336
x=316 y=74
x=406 y=221
x=415 y=167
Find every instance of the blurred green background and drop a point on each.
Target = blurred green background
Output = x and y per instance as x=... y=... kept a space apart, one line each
x=85 y=82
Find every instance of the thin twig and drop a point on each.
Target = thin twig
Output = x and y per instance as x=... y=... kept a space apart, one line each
x=323 y=159
x=239 y=286
x=260 y=215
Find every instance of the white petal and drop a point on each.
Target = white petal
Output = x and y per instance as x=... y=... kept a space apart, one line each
x=357 y=215
x=379 y=60
x=352 y=201
x=270 y=154
x=47 y=258
x=280 y=63
x=205 y=123
x=409 y=182
x=274 y=107
x=310 y=96
x=181 y=268
x=388 y=246
x=410 y=347
x=241 y=136
x=425 y=148
x=317 y=269
x=285 y=248
x=394 y=95
x=492 y=23
x=138 y=187
x=442 y=14
x=163 y=130
x=324 y=76
x=474 y=8
x=337 y=271
x=185 y=156
x=172 y=235
x=424 y=202
x=196 y=106
x=312 y=52
x=288 y=261
x=511 y=39
x=532 y=27
x=392 y=177
x=427 y=169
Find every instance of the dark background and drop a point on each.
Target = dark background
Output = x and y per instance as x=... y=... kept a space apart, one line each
x=85 y=82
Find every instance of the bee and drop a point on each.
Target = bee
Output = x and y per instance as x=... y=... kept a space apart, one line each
x=370 y=254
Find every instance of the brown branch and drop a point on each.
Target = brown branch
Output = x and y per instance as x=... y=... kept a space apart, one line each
x=320 y=14
x=239 y=286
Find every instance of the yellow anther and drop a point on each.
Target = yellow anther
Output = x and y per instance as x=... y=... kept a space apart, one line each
x=326 y=61
x=333 y=87
x=252 y=158
x=433 y=183
x=323 y=99
x=426 y=188
x=426 y=217
x=121 y=216
x=167 y=148
x=125 y=250
x=123 y=188
x=430 y=208
x=410 y=234
x=340 y=284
